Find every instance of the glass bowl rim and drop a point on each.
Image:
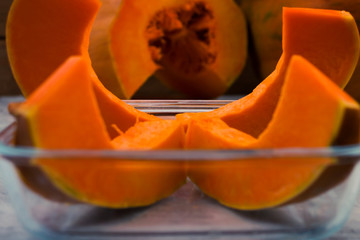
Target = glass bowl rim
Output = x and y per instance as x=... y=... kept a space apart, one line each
x=22 y=155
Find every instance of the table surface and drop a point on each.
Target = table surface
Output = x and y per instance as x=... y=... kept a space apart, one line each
x=11 y=229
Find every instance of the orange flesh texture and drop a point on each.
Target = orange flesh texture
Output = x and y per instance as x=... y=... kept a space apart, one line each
x=117 y=183
x=265 y=21
x=162 y=134
x=71 y=122
x=118 y=115
x=300 y=110
x=128 y=44
x=334 y=40
x=149 y=180
x=253 y=112
x=205 y=134
x=323 y=44
x=40 y=39
x=153 y=135
x=47 y=37
x=58 y=123
x=260 y=182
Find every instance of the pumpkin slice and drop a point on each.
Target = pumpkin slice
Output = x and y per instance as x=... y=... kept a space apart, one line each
x=329 y=39
x=204 y=133
x=196 y=46
x=265 y=23
x=41 y=35
x=48 y=120
x=159 y=178
x=321 y=117
x=128 y=183
x=162 y=134
x=117 y=115
x=38 y=41
x=57 y=122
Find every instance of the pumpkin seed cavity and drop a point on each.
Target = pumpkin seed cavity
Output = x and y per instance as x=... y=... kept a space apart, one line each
x=183 y=37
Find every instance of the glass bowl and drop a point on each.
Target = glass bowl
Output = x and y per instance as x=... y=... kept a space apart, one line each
x=188 y=213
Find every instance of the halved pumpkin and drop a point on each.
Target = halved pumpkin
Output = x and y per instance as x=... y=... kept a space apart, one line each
x=321 y=117
x=329 y=39
x=197 y=46
x=47 y=120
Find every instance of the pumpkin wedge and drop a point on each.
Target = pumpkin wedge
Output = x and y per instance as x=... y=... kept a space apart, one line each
x=322 y=117
x=197 y=47
x=41 y=35
x=38 y=41
x=265 y=26
x=264 y=19
x=329 y=39
x=117 y=115
x=53 y=122
x=161 y=134
x=47 y=120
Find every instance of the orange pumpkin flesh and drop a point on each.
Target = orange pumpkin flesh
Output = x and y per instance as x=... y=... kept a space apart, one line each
x=47 y=120
x=161 y=176
x=41 y=35
x=162 y=134
x=117 y=115
x=326 y=38
x=38 y=42
x=198 y=47
x=320 y=117
x=129 y=48
x=265 y=27
x=54 y=121
x=336 y=40
x=264 y=19
x=204 y=133
x=70 y=182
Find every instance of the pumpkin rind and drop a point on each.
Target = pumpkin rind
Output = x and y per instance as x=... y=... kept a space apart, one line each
x=49 y=121
x=305 y=33
x=264 y=18
x=39 y=41
x=302 y=119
